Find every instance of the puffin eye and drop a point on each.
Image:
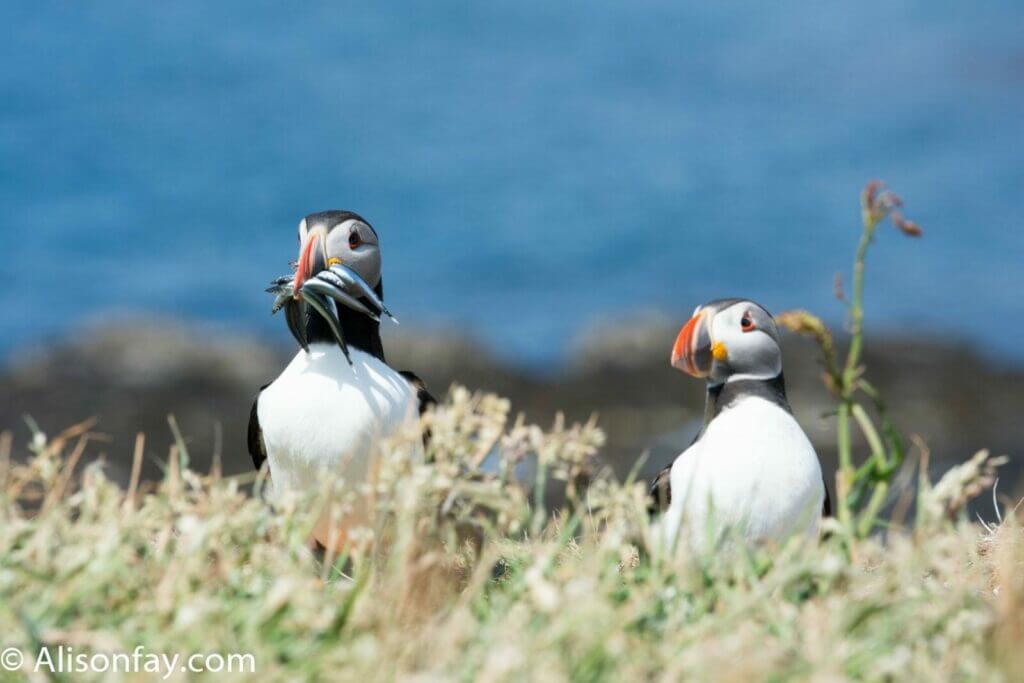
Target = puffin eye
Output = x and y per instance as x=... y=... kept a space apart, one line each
x=747 y=323
x=354 y=240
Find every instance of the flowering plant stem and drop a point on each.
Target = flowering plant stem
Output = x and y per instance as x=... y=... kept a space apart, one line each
x=848 y=381
x=861 y=491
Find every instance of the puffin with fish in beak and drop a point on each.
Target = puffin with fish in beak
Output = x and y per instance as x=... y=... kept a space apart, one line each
x=328 y=412
x=751 y=470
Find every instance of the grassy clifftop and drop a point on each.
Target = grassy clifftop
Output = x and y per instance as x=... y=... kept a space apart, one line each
x=459 y=577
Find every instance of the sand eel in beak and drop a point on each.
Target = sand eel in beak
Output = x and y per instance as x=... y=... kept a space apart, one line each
x=751 y=471
x=328 y=412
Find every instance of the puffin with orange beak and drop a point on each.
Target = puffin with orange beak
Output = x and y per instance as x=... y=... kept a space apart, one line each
x=751 y=471
x=326 y=415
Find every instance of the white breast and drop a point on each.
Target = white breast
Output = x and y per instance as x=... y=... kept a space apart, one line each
x=753 y=472
x=323 y=417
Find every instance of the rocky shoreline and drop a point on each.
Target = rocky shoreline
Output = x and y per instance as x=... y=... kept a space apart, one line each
x=133 y=373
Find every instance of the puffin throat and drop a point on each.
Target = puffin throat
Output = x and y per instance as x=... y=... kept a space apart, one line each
x=360 y=331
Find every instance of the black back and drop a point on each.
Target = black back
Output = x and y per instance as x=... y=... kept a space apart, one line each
x=257 y=450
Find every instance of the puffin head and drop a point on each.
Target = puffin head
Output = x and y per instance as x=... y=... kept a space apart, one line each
x=330 y=238
x=729 y=339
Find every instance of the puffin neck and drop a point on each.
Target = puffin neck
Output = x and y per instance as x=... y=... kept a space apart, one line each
x=360 y=330
x=722 y=396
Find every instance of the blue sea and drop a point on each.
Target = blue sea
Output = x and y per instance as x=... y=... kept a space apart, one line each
x=531 y=167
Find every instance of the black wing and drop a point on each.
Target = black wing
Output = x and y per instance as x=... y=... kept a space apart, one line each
x=426 y=399
x=661 y=491
x=424 y=396
x=257 y=450
x=661 y=487
x=826 y=505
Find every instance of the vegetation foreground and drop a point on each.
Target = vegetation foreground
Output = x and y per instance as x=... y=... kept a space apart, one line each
x=459 y=577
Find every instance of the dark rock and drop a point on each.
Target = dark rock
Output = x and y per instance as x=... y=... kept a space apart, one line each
x=133 y=374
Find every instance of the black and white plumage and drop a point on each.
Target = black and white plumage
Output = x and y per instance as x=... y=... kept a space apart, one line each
x=751 y=470
x=327 y=413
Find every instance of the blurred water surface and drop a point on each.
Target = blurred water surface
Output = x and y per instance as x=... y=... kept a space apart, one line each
x=530 y=166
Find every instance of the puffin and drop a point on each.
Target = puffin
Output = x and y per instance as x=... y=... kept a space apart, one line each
x=327 y=413
x=751 y=472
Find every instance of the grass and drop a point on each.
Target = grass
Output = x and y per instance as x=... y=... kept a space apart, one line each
x=458 y=576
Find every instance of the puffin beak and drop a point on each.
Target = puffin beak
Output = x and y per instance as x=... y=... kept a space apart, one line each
x=692 y=352
x=311 y=261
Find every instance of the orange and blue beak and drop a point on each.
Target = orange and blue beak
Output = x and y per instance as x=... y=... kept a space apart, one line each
x=311 y=260
x=695 y=352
